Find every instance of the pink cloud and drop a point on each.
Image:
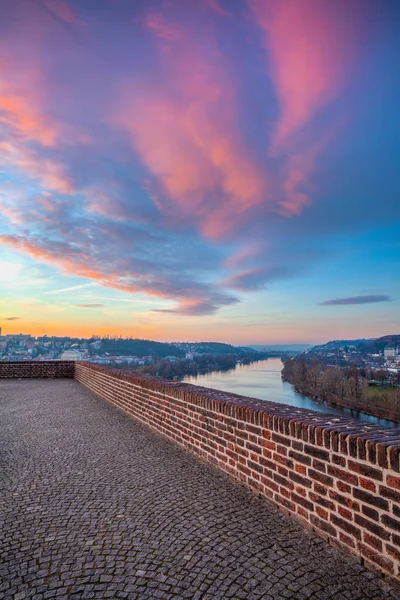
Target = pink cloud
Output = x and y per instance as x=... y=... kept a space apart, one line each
x=186 y=131
x=309 y=46
x=19 y=113
x=49 y=172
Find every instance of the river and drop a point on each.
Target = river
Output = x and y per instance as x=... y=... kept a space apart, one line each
x=262 y=380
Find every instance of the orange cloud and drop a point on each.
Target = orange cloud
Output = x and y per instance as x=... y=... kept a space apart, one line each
x=190 y=299
x=187 y=135
x=48 y=171
x=21 y=101
x=18 y=114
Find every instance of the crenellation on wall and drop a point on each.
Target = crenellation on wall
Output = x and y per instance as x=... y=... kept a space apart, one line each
x=339 y=478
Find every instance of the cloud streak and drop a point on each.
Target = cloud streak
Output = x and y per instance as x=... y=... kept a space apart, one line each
x=370 y=299
x=90 y=305
x=10 y=318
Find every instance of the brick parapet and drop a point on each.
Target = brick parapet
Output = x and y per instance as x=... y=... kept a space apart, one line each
x=336 y=476
x=24 y=369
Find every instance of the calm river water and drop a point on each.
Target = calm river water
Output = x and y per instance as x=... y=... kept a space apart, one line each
x=263 y=380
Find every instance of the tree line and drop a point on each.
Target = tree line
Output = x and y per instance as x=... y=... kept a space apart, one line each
x=350 y=386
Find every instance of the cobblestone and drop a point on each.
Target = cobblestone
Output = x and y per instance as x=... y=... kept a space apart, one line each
x=97 y=506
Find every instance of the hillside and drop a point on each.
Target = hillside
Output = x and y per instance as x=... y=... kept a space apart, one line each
x=137 y=347
x=370 y=345
x=208 y=348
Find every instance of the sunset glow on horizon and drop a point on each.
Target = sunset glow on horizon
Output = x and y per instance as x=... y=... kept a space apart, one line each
x=223 y=170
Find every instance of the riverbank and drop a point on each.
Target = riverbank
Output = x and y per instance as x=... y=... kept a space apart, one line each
x=380 y=406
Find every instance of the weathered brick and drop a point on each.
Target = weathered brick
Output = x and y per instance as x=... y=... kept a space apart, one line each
x=300 y=469
x=367 y=484
x=343 y=500
x=320 y=477
x=299 y=457
x=346 y=526
x=267 y=463
x=339 y=460
x=320 y=489
x=283 y=460
x=252 y=447
x=321 y=512
x=382 y=455
x=285 y=502
x=389 y=522
x=393 y=482
x=374 y=528
x=316 y=452
x=302 y=501
x=370 y=499
x=370 y=512
x=343 y=487
x=299 y=479
x=323 y=525
x=322 y=501
x=255 y=466
x=283 y=481
x=390 y=493
x=347 y=540
x=393 y=551
x=377 y=558
x=345 y=513
x=343 y=475
x=366 y=470
x=280 y=439
x=296 y=445
x=253 y=429
x=319 y=465
x=372 y=541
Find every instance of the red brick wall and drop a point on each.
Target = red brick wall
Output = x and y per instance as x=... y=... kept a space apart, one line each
x=338 y=477
x=36 y=369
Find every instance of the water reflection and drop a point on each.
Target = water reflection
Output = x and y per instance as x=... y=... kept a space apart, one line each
x=263 y=380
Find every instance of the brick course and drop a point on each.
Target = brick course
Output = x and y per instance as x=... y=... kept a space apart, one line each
x=36 y=369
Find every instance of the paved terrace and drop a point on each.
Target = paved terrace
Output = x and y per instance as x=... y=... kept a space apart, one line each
x=98 y=506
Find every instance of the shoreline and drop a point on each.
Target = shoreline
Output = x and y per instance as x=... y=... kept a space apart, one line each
x=378 y=413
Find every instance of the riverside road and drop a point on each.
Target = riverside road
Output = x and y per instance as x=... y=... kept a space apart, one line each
x=95 y=505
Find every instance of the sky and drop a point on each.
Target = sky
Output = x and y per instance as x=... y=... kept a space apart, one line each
x=223 y=170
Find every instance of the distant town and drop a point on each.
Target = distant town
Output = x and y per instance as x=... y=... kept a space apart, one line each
x=373 y=354
x=168 y=360
x=370 y=354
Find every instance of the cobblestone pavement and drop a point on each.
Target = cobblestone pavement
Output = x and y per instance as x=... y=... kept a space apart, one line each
x=97 y=506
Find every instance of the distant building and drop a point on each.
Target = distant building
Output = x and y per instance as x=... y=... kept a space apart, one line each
x=95 y=345
x=390 y=353
x=71 y=355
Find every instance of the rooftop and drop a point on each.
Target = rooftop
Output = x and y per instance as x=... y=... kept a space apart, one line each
x=98 y=506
